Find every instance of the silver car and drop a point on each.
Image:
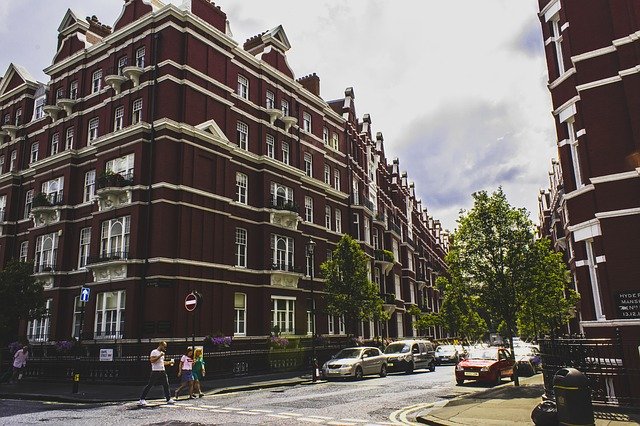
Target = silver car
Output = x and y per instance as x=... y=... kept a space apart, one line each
x=355 y=362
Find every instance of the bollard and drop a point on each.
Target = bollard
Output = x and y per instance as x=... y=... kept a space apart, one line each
x=76 y=382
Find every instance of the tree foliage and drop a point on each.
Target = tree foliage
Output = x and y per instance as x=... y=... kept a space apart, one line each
x=22 y=298
x=348 y=290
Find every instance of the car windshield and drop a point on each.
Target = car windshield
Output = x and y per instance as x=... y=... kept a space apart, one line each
x=446 y=349
x=348 y=353
x=483 y=354
x=523 y=350
x=397 y=348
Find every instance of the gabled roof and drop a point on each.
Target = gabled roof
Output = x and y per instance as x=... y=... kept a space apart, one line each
x=19 y=71
x=278 y=38
x=212 y=127
x=71 y=19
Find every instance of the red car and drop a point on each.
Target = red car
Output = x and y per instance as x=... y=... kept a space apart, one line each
x=485 y=365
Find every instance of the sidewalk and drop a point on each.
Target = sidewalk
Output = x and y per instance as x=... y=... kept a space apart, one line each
x=103 y=393
x=507 y=405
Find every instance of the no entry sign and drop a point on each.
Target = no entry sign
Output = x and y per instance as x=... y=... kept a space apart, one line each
x=191 y=302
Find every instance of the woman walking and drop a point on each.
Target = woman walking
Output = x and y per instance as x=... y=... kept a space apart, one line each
x=185 y=372
x=198 y=372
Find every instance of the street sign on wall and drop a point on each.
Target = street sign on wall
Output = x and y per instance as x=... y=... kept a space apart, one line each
x=191 y=302
x=84 y=294
x=629 y=304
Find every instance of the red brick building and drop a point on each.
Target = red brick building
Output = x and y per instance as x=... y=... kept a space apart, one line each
x=163 y=157
x=593 y=208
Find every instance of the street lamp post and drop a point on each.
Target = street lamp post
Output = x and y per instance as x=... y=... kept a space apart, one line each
x=310 y=246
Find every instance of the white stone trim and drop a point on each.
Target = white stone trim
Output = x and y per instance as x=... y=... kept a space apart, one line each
x=585 y=230
x=628 y=39
x=565 y=75
x=579 y=191
x=593 y=54
x=567 y=113
x=629 y=71
x=580 y=263
x=601 y=259
x=567 y=104
x=581 y=132
x=615 y=177
x=550 y=10
x=611 y=323
x=563 y=142
x=618 y=213
x=598 y=83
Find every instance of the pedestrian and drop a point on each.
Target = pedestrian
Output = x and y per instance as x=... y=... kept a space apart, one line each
x=158 y=374
x=19 y=363
x=185 y=373
x=198 y=371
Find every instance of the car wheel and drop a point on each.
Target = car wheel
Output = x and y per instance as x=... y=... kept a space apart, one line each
x=383 y=371
x=460 y=381
x=358 y=374
x=432 y=366
x=411 y=367
x=498 y=379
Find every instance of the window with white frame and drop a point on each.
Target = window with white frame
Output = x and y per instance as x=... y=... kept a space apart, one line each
x=400 y=323
x=331 y=324
x=376 y=278
x=18 y=120
x=35 y=147
x=242 y=135
x=356 y=225
x=327 y=174
x=327 y=217
x=24 y=251
x=240 y=314
x=338 y=215
x=575 y=156
x=38 y=112
x=367 y=230
x=73 y=90
x=109 y=323
x=397 y=287
x=355 y=192
x=325 y=136
x=271 y=146
x=306 y=122
x=55 y=143
x=59 y=93
x=412 y=292
x=122 y=165
x=396 y=250
x=376 y=240
x=281 y=195
x=241 y=247
x=46 y=252
x=96 y=81
x=54 y=189
x=308 y=164
x=3 y=207
x=311 y=327
x=336 y=179
x=341 y=325
x=285 y=107
x=242 y=182
x=334 y=141
x=410 y=261
x=243 y=87
x=593 y=277
x=93 y=129
x=308 y=209
x=140 y=53
x=136 y=114
x=118 y=119
x=270 y=101
x=78 y=307
x=285 y=152
x=114 y=240
x=83 y=252
x=557 y=41
x=68 y=142
x=283 y=314
x=282 y=252
x=89 y=186
x=38 y=328
x=28 y=203
x=122 y=62
x=13 y=160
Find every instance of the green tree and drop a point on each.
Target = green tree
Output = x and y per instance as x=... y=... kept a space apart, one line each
x=459 y=311
x=348 y=290
x=22 y=298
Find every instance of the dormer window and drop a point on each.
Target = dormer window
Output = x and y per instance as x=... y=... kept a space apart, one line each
x=243 y=87
x=96 y=81
x=122 y=62
x=140 y=57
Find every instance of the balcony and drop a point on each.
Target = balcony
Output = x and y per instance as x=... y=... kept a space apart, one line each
x=11 y=130
x=45 y=208
x=385 y=259
x=67 y=104
x=388 y=302
x=52 y=111
x=284 y=214
x=288 y=122
x=133 y=73
x=285 y=275
x=113 y=190
x=274 y=114
x=44 y=272
x=394 y=228
x=422 y=281
x=380 y=217
x=109 y=266
x=115 y=81
x=368 y=204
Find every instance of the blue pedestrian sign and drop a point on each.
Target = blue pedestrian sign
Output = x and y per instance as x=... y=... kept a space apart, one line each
x=84 y=294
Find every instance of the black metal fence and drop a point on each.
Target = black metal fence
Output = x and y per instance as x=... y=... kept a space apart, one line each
x=611 y=365
x=130 y=364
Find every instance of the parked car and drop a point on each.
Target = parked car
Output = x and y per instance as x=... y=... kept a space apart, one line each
x=408 y=355
x=449 y=354
x=355 y=362
x=528 y=359
x=485 y=365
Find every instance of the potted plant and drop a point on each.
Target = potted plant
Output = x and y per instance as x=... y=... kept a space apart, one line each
x=40 y=200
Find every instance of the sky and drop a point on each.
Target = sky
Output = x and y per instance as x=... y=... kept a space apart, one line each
x=457 y=87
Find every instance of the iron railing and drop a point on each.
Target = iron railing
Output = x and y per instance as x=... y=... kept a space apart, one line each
x=282 y=266
x=114 y=180
x=44 y=267
x=284 y=205
x=109 y=256
x=394 y=228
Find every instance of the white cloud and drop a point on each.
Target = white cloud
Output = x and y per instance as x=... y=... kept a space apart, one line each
x=463 y=72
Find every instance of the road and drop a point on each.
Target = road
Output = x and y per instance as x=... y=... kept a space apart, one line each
x=394 y=399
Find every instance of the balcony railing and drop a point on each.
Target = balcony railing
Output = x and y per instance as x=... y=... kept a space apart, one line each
x=114 y=180
x=109 y=256
x=368 y=204
x=44 y=268
x=381 y=217
x=284 y=205
x=286 y=268
x=47 y=200
x=394 y=228
x=384 y=256
x=108 y=334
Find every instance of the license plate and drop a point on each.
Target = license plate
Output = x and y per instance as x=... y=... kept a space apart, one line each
x=390 y=364
x=471 y=373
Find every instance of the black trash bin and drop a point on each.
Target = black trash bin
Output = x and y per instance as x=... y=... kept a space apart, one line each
x=573 y=397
